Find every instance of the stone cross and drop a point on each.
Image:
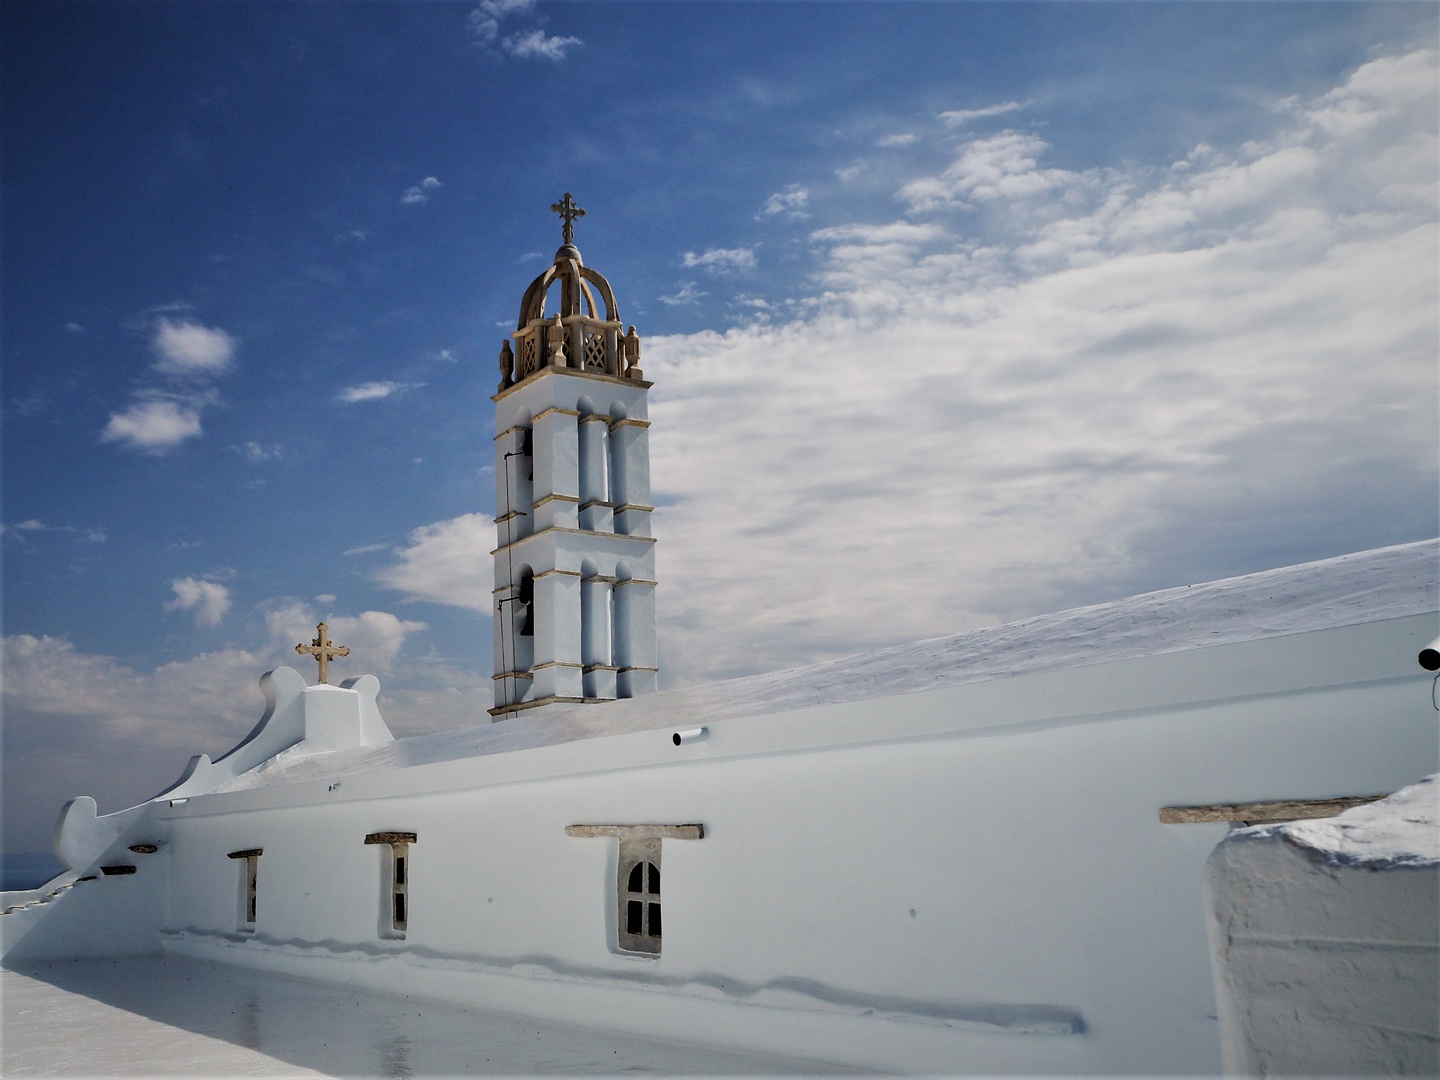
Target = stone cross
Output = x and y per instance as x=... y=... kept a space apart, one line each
x=568 y=212
x=322 y=649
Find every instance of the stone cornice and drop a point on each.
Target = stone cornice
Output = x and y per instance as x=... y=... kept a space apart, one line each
x=552 y=409
x=574 y=373
x=573 y=532
x=502 y=710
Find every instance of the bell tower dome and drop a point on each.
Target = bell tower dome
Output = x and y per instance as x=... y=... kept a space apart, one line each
x=574 y=600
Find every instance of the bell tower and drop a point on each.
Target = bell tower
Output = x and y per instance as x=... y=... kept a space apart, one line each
x=574 y=600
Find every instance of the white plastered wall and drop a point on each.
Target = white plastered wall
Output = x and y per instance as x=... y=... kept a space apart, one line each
x=1016 y=819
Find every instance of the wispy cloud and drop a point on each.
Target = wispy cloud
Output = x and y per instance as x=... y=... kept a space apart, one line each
x=73 y=328
x=957 y=117
x=32 y=404
x=365 y=549
x=258 y=452
x=209 y=600
x=722 y=260
x=374 y=391
x=420 y=193
x=688 y=293
x=904 y=138
x=30 y=526
x=487 y=20
x=791 y=202
x=537 y=43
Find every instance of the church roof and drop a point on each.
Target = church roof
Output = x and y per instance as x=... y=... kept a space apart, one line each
x=1365 y=587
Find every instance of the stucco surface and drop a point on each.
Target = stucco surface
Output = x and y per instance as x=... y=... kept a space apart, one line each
x=1324 y=941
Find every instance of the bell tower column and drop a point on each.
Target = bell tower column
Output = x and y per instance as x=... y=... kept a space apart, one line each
x=574 y=607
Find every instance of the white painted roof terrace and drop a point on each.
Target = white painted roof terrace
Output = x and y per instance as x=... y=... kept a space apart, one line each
x=1350 y=590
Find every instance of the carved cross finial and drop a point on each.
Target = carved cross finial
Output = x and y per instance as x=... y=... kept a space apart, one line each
x=322 y=649
x=568 y=212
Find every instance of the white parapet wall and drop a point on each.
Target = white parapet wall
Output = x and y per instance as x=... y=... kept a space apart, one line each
x=1324 y=941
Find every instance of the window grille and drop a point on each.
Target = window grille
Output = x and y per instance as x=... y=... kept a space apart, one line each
x=594 y=351
x=639 y=915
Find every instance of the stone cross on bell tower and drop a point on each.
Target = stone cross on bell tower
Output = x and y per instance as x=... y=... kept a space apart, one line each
x=568 y=212
x=575 y=563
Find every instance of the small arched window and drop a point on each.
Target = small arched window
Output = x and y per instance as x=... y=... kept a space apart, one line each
x=640 y=925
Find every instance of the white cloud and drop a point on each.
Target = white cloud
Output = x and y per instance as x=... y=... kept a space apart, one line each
x=688 y=293
x=791 y=201
x=1003 y=166
x=364 y=549
x=374 y=638
x=957 y=117
x=186 y=348
x=161 y=419
x=485 y=23
x=373 y=391
x=904 y=138
x=209 y=600
x=722 y=260
x=152 y=427
x=447 y=563
x=257 y=452
x=1084 y=386
x=50 y=676
x=419 y=193
x=537 y=43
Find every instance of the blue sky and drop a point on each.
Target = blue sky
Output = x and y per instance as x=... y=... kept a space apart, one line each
x=957 y=313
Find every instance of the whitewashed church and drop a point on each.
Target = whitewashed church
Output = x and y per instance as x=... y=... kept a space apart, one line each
x=984 y=853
